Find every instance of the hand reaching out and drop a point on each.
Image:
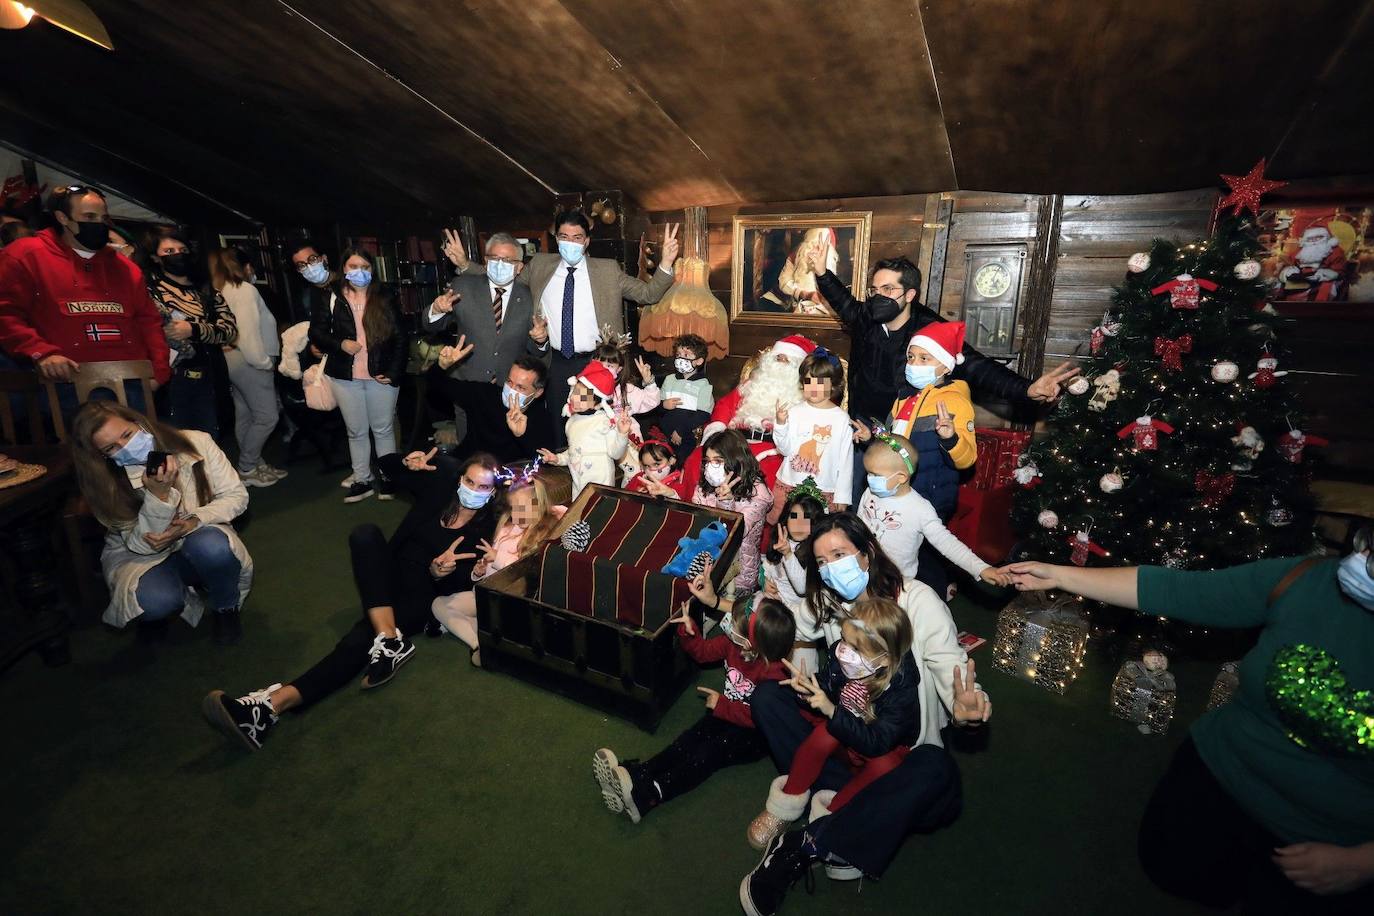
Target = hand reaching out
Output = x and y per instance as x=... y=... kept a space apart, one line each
x=1032 y=576
x=549 y=457
x=996 y=576
x=971 y=705
x=1046 y=388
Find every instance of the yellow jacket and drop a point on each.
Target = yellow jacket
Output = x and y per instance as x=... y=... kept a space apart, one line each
x=918 y=413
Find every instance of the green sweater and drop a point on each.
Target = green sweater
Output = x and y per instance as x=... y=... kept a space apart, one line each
x=1321 y=789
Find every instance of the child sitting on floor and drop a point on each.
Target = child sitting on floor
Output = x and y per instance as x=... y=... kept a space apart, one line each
x=597 y=437
x=687 y=396
x=527 y=522
x=657 y=475
x=731 y=479
x=752 y=644
x=866 y=709
x=901 y=519
x=814 y=437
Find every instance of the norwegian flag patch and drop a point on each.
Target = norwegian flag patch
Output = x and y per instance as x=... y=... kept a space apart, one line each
x=100 y=333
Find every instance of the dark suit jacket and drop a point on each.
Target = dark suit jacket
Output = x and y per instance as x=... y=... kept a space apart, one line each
x=493 y=351
x=487 y=429
x=610 y=284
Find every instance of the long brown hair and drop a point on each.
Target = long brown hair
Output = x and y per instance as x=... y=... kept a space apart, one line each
x=103 y=483
x=227 y=268
x=481 y=459
x=378 y=322
x=733 y=449
x=884 y=578
x=880 y=625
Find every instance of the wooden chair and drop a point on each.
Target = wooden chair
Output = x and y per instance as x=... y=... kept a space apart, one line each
x=109 y=375
x=29 y=389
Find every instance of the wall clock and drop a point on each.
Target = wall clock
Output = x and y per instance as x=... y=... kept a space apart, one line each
x=992 y=290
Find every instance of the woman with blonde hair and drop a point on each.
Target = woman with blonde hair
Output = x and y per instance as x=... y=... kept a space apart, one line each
x=251 y=360
x=527 y=522
x=166 y=498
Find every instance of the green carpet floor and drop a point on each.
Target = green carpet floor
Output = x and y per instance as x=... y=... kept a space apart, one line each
x=453 y=790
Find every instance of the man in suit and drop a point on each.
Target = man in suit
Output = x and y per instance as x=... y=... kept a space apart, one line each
x=493 y=312
x=575 y=297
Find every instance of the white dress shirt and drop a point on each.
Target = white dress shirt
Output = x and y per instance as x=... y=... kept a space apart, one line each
x=585 y=331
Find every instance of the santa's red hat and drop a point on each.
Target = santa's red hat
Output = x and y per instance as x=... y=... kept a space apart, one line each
x=795 y=346
x=944 y=340
x=598 y=378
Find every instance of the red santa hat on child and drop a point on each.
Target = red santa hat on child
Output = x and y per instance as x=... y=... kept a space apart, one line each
x=795 y=347
x=599 y=379
x=944 y=340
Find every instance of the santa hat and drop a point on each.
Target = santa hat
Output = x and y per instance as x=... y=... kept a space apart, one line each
x=944 y=340
x=794 y=346
x=598 y=378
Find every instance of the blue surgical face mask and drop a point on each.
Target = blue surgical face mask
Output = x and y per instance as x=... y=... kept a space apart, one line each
x=921 y=376
x=846 y=577
x=471 y=499
x=360 y=277
x=135 y=451
x=510 y=396
x=877 y=485
x=571 y=252
x=315 y=273
x=1353 y=576
x=500 y=272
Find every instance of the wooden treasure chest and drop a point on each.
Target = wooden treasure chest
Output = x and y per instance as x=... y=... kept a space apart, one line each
x=587 y=614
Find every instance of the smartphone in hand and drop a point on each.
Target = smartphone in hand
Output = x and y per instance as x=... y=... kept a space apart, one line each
x=156 y=462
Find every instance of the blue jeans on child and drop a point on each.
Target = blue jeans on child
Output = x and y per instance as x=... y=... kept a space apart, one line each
x=206 y=561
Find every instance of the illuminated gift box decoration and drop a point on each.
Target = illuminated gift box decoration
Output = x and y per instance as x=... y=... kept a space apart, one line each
x=1225 y=686
x=1041 y=638
x=1144 y=692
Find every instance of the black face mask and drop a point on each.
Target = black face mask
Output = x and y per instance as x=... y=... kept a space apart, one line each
x=92 y=236
x=883 y=308
x=177 y=264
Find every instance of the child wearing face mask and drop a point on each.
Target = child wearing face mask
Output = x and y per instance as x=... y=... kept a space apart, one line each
x=784 y=576
x=626 y=396
x=814 y=437
x=731 y=479
x=597 y=435
x=866 y=711
x=522 y=528
x=752 y=643
x=658 y=475
x=687 y=396
x=902 y=519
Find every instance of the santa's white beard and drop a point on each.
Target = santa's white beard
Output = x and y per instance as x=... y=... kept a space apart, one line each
x=1313 y=253
x=769 y=383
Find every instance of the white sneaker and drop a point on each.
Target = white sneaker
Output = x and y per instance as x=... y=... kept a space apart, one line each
x=347 y=481
x=257 y=478
x=270 y=471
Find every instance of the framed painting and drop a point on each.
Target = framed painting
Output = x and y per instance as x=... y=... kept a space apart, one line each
x=771 y=275
x=1318 y=258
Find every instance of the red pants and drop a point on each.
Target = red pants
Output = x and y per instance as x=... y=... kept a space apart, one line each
x=819 y=747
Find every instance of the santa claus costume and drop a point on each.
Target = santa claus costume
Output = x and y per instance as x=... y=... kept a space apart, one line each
x=1317 y=273
x=752 y=407
x=595 y=443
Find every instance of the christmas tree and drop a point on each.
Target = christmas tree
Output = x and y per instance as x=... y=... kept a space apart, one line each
x=1182 y=443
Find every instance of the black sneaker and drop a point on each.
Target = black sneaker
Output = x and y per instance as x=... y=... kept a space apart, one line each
x=386 y=489
x=433 y=628
x=247 y=718
x=387 y=654
x=358 y=491
x=228 y=627
x=784 y=861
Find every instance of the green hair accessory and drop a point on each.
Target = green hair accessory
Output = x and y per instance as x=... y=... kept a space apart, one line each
x=808 y=487
x=883 y=436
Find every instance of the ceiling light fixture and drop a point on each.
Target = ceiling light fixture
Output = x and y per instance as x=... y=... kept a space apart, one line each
x=70 y=15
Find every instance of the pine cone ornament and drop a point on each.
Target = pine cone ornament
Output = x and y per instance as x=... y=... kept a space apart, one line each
x=577 y=537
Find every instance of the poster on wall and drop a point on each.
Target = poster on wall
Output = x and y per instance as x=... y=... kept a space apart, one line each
x=772 y=277
x=1319 y=259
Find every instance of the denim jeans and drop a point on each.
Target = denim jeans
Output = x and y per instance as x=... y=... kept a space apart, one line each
x=204 y=560
x=367 y=406
x=188 y=402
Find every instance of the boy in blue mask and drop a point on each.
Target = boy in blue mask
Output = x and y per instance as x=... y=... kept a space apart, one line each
x=902 y=520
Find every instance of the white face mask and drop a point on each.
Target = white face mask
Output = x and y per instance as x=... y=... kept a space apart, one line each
x=714 y=474
x=684 y=366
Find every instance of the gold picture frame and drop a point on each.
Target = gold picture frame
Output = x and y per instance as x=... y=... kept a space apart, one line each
x=769 y=282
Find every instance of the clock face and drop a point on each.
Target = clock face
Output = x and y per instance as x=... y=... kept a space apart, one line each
x=992 y=280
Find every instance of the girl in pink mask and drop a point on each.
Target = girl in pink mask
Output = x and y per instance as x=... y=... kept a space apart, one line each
x=659 y=475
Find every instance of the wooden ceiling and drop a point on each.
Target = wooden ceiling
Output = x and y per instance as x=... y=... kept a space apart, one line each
x=412 y=112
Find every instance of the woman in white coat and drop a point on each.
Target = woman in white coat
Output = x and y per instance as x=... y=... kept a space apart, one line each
x=166 y=498
x=251 y=361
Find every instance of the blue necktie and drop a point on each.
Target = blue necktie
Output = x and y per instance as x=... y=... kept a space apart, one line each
x=568 y=289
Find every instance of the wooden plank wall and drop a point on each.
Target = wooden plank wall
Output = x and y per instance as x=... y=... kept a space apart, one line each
x=897 y=223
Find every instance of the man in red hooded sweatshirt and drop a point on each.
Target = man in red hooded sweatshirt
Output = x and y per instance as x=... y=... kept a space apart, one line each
x=67 y=298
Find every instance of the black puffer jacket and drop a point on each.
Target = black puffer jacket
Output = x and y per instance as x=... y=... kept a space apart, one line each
x=896 y=711
x=331 y=323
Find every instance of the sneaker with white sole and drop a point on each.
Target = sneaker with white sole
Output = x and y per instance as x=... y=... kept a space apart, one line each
x=247 y=718
x=617 y=786
x=388 y=653
x=787 y=858
x=270 y=471
x=257 y=478
x=360 y=490
x=348 y=481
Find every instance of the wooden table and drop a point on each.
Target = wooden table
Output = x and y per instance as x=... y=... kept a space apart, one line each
x=31 y=612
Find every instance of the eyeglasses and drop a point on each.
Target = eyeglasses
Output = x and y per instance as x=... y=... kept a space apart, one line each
x=309 y=262
x=892 y=290
x=511 y=261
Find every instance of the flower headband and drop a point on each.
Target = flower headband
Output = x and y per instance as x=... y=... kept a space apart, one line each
x=882 y=435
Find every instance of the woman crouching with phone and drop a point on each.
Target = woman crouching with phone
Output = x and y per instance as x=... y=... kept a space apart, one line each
x=166 y=498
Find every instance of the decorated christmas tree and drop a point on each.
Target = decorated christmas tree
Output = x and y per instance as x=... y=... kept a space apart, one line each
x=1182 y=443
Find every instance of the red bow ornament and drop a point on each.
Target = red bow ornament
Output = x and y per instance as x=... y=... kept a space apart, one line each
x=1214 y=487
x=1171 y=352
x=1185 y=292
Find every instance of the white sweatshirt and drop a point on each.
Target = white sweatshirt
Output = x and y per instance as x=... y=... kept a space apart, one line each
x=822 y=435
x=901 y=523
x=257 y=342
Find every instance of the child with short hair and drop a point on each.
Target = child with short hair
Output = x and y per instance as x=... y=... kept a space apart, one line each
x=814 y=437
x=752 y=644
x=597 y=436
x=866 y=710
x=902 y=519
x=658 y=475
x=731 y=479
x=687 y=396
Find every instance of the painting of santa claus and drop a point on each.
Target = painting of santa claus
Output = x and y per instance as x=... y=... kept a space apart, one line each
x=775 y=260
x=1315 y=256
